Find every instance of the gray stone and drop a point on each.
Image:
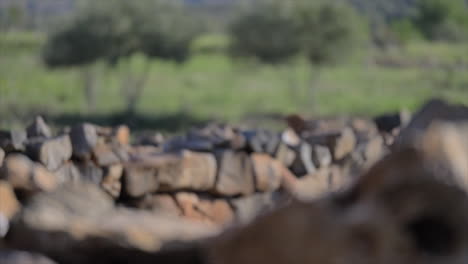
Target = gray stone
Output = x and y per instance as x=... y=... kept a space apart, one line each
x=84 y=139
x=39 y=128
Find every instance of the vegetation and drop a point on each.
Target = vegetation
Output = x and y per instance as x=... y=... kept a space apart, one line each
x=148 y=65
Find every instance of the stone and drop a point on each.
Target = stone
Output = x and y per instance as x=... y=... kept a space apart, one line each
x=216 y=211
x=248 y=208
x=345 y=144
x=23 y=174
x=52 y=153
x=111 y=181
x=13 y=141
x=235 y=174
x=9 y=204
x=313 y=186
x=38 y=129
x=285 y=155
x=188 y=203
x=321 y=156
x=122 y=134
x=161 y=203
x=375 y=150
x=303 y=164
x=90 y=172
x=193 y=170
x=2 y=157
x=139 y=180
x=84 y=139
x=68 y=173
x=267 y=172
x=104 y=155
x=22 y=257
x=432 y=111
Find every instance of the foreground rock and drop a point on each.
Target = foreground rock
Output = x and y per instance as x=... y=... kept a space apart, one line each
x=63 y=225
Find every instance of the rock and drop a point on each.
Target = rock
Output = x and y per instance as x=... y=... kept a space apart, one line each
x=161 y=203
x=345 y=144
x=84 y=139
x=68 y=173
x=90 y=172
x=122 y=134
x=13 y=141
x=39 y=129
x=248 y=208
x=267 y=172
x=25 y=175
x=139 y=180
x=303 y=164
x=321 y=156
x=374 y=151
x=64 y=225
x=22 y=257
x=285 y=155
x=194 y=171
x=434 y=110
x=235 y=174
x=9 y=204
x=2 y=157
x=53 y=153
x=111 y=181
x=104 y=155
x=313 y=186
x=207 y=210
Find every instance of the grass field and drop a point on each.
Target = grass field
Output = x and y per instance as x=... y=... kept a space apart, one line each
x=213 y=86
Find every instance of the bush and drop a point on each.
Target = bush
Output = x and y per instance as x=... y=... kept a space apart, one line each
x=120 y=29
x=442 y=19
x=277 y=30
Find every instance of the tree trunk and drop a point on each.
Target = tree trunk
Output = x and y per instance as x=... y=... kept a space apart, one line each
x=89 y=87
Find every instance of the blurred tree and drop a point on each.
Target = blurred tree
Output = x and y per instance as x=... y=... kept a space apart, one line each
x=325 y=32
x=115 y=32
x=442 y=19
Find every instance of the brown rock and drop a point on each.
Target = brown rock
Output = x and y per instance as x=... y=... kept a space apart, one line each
x=68 y=173
x=122 y=134
x=235 y=174
x=195 y=171
x=248 y=208
x=285 y=155
x=39 y=128
x=22 y=257
x=53 y=153
x=345 y=144
x=9 y=205
x=23 y=174
x=84 y=139
x=375 y=150
x=105 y=155
x=139 y=180
x=162 y=203
x=188 y=202
x=111 y=181
x=207 y=210
x=267 y=172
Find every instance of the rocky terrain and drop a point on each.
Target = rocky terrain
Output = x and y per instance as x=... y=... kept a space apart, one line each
x=92 y=194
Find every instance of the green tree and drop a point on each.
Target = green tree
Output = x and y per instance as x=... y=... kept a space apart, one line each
x=117 y=32
x=442 y=19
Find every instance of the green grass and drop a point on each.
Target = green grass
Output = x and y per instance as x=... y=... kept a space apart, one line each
x=212 y=86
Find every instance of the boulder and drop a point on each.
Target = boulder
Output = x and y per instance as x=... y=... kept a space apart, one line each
x=84 y=139
x=111 y=181
x=235 y=174
x=13 y=141
x=38 y=129
x=267 y=172
x=53 y=153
